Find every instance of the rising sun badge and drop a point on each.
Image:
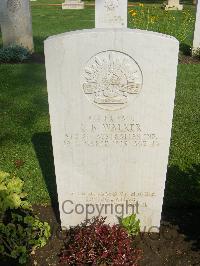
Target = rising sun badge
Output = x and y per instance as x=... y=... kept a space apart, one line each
x=111 y=80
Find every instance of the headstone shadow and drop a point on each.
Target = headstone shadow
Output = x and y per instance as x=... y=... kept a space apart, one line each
x=181 y=202
x=43 y=147
x=185 y=49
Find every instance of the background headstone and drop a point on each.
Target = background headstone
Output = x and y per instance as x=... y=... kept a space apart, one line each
x=16 y=24
x=196 y=40
x=111 y=97
x=173 y=5
x=73 y=4
x=111 y=14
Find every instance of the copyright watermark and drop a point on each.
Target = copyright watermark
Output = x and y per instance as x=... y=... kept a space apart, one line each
x=69 y=207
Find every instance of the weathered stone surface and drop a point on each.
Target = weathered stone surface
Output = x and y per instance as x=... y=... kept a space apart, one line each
x=16 y=25
x=111 y=14
x=196 y=40
x=73 y=4
x=111 y=97
x=173 y=5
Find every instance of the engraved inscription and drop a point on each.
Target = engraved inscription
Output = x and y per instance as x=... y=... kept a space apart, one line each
x=116 y=197
x=104 y=199
x=111 y=79
x=106 y=131
x=13 y=5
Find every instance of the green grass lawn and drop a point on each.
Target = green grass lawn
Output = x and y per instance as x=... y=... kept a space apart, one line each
x=25 y=131
x=50 y=20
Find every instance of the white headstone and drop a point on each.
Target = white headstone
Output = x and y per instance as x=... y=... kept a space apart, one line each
x=16 y=24
x=111 y=98
x=111 y=14
x=196 y=40
x=73 y=4
x=173 y=5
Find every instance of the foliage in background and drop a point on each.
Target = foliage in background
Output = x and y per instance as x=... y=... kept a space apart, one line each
x=131 y=224
x=14 y=54
x=154 y=18
x=20 y=231
x=95 y=243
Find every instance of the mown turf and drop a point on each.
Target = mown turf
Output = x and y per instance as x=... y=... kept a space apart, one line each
x=25 y=134
x=49 y=20
x=24 y=112
x=25 y=131
x=183 y=182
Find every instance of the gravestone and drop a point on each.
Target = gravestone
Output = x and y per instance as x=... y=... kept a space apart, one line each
x=73 y=4
x=111 y=14
x=16 y=25
x=173 y=5
x=111 y=97
x=196 y=40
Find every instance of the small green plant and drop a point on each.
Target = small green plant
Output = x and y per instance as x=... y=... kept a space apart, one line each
x=20 y=230
x=131 y=224
x=14 y=54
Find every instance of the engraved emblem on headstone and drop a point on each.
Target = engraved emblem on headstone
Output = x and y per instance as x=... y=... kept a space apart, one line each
x=111 y=4
x=111 y=79
x=13 y=5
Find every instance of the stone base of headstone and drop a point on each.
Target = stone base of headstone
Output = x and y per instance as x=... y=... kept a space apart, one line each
x=173 y=5
x=178 y=7
x=73 y=5
x=196 y=52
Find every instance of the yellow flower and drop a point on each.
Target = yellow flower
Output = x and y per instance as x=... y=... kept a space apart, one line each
x=133 y=12
x=153 y=18
x=141 y=5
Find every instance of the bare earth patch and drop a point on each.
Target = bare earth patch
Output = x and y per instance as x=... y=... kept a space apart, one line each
x=177 y=244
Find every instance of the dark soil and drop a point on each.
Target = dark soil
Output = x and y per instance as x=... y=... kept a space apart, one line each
x=187 y=59
x=178 y=242
x=37 y=58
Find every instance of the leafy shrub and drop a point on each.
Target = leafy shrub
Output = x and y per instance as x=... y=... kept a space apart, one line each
x=14 y=54
x=131 y=224
x=95 y=243
x=20 y=230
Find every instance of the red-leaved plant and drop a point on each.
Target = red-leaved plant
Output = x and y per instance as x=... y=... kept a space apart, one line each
x=97 y=243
